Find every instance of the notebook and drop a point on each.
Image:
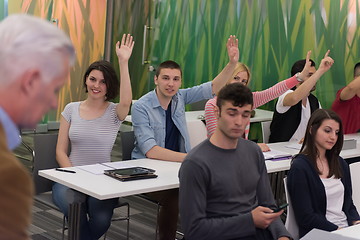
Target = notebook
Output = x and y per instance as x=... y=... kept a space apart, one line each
x=132 y=173
x=276 y=155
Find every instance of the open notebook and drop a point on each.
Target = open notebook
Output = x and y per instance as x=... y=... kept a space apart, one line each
x=276 y=155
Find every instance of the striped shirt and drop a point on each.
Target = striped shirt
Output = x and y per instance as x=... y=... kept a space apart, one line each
x=91 y=140
x=260 y=98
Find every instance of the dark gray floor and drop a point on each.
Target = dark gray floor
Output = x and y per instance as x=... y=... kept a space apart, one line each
x=47 y=222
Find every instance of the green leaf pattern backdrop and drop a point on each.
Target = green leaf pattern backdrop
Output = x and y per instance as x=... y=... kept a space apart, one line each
x=272 y=36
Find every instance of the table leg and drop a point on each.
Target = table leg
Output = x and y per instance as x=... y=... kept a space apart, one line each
x=74 y=221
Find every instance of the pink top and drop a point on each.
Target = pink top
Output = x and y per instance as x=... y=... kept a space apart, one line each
x=260 y=98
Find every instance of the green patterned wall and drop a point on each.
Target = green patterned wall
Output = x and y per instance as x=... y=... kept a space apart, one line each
x=272 y=36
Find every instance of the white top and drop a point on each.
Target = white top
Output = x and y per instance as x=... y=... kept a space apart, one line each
x=91 y=140
x=334 y=190
x=305 y=116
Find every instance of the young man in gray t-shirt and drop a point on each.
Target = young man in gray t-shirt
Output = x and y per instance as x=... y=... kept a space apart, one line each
x=224 y=187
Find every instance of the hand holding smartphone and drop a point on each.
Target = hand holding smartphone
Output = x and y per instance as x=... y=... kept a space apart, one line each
x=281 y=207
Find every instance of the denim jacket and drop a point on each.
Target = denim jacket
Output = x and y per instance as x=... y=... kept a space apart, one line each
x=149 y=118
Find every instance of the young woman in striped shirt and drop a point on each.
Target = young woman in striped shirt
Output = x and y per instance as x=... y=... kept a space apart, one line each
x=91 y=127
x=242 y=74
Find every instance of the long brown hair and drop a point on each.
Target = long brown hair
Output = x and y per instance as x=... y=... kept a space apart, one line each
x=309 y=148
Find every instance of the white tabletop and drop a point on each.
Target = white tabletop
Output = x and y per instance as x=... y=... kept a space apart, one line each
x=260 y=116
x=352 y=231
x=102 y=187
x=282 y=165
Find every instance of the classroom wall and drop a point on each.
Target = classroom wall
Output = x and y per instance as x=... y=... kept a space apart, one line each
x=272 y=35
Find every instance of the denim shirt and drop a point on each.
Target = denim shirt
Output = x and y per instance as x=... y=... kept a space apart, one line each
x=149 y=118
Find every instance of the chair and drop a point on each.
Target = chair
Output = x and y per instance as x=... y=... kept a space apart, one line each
x=290 y=222
x=200 y=105
x=355 y=181
x=127 y=144
x=265 y=129
x=45 y=158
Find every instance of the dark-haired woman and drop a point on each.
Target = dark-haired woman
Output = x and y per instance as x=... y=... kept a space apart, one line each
x=319 y=181
x=91 y=127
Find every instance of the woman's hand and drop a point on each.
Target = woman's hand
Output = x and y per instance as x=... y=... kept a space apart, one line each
x=233 y=49
x=264 y=147
x=124 y=50
x=356 y=222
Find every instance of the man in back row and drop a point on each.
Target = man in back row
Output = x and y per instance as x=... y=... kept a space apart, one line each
x=160 y=127
x=224 y=186
x=293 y=108
x=347 y=103
x=35 y=59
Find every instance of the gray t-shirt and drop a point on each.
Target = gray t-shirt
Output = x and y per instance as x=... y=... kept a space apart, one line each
x=218 y=190
x=91 y=140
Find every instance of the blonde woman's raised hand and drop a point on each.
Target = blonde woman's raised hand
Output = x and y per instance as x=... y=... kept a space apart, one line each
x=124 y=50
x=233 y=49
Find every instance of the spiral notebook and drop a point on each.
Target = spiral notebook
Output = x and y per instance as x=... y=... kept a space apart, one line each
x=132 y=173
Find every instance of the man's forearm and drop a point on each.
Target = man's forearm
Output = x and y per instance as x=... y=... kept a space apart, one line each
x=161 y=153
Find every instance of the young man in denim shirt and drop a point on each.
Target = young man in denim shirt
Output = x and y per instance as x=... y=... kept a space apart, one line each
x=160 y=127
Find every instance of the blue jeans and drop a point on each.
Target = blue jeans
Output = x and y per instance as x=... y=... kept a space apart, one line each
x=95 y=218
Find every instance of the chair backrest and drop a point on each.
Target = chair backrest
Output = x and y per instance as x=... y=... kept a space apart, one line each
x=200 y=105
x=355 y=181
x=45 y=158
x=127 y=144
x=265 y=129
x=290 y=222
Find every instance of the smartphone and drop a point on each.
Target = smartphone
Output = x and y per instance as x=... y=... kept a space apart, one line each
x=281 y=207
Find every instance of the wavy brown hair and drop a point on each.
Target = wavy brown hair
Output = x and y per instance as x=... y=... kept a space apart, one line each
x=309 y=148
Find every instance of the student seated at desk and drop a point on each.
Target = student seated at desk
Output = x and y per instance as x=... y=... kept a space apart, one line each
x=294 y=107
x=224 y=186
x=318 y=181
x=347 y=103
x=160 y=128
x=241 y=74
x=91 y=126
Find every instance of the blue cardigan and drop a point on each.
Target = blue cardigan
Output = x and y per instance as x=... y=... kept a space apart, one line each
x=308 y=198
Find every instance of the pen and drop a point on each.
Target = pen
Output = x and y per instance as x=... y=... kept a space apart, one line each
x=64 y=170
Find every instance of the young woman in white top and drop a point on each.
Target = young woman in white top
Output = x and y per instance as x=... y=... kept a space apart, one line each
x=91 y=127
x=319 y=181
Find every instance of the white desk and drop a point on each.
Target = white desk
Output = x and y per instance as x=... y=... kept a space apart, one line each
x=283 y=165
x=105 y=187
x=197 y=129
x=352 y=231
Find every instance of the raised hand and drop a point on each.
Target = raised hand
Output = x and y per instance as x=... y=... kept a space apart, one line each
x=124 y=50
x=233 y=49
x=305 y=72
x=326 y=62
